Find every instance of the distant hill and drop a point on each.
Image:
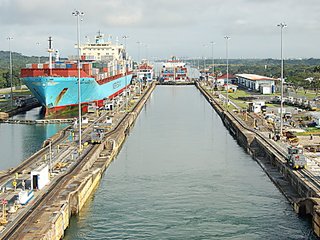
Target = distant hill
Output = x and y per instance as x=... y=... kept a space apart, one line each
x=266 y=67
x=18 y=60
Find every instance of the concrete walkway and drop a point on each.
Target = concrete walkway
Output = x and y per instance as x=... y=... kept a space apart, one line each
x=8 y=90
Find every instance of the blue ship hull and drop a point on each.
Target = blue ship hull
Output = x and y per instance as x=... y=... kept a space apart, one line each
x=56 y=93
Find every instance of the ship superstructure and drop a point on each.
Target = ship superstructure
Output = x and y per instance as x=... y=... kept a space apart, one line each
x=174 y=71
x=144 y=72
x=105 y=71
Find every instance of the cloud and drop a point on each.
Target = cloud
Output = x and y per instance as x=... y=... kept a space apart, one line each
x=180 y=27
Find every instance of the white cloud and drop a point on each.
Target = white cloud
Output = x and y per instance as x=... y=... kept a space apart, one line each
x=169 y=27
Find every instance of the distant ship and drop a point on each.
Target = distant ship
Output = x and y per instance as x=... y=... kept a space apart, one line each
x=144 y=72
x=174 y=71
x=106 y=71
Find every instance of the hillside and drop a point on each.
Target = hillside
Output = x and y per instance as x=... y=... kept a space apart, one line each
x=266 y=67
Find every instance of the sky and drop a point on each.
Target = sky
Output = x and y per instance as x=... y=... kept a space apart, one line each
x=183 y=28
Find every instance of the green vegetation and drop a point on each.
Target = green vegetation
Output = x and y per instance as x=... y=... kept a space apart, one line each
x=18 y=61
x=302 y=76
x=308 y=131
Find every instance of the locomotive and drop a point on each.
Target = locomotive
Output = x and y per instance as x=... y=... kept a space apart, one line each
x=295 y=158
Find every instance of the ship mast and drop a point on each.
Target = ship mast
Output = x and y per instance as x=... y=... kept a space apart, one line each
x=50 y=50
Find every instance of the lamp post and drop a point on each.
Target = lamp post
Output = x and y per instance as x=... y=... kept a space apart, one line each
x=227 y=54
x=39 y=44
x=281 y=25
x=204 y=61
x=147 y=46
x=50 y=156
x=10 y=66
x=125 y=37
x=198 y=63
x=139 y=43
x=212 y=43
x=79 y=14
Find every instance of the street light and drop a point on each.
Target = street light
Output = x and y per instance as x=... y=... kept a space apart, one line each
x=79 y=15
x=281 y=25
x=125 y=47
x=204 y=62
x=227 y=54
x=139 y=43
x=10 y=59
x=39 y=44
x=147 y=46
x=212 y=43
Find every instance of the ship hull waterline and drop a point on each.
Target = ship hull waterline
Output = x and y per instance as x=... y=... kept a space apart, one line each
x=61 y=94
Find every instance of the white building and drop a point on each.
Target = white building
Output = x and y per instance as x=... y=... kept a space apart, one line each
x=39 y=177
x=263 y=84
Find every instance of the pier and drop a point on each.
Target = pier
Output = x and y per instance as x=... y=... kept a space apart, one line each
x=75 y=174
x=40 y=121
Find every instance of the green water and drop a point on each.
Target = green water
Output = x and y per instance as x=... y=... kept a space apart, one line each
x=180 y=175
x=20 y=141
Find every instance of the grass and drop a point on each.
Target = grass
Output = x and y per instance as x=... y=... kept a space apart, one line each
x=309 y=95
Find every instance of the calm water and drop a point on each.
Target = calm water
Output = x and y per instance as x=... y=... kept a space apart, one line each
x=20 y=141
x=180 y=175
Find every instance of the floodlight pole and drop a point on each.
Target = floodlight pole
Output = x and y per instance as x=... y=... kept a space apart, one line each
x=139 y=43
x=39 y=44
x=213 y=81
x=9 y=39
x=281 y=25
x=125 y=47
x=79 y=14
x=227 y=54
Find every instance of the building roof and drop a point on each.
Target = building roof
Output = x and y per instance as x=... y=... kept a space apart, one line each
x=255 y=77
x=224 y=76
x=230 y=85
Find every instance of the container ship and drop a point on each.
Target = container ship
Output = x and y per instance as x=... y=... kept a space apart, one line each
x=144 y=72
x=174 y=71
x=105 y=72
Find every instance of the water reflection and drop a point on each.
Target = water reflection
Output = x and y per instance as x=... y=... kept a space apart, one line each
x=180 y=175
x=20 y=141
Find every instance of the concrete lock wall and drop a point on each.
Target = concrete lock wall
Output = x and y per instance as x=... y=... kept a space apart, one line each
x=77 y=190
x=255 y=146
x=80 y=187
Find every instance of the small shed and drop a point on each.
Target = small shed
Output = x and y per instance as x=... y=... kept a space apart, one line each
x=39 y=177
x=265 y=89
x=256 y=105
x=230 y=87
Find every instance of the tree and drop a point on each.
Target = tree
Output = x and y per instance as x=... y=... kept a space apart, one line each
x=306 y=85
x=296 y=82
x=316 y=79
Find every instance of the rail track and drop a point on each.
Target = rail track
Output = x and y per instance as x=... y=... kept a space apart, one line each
x=16 y=227
x=305 y=173
x=33 y=159
x=30 y=216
